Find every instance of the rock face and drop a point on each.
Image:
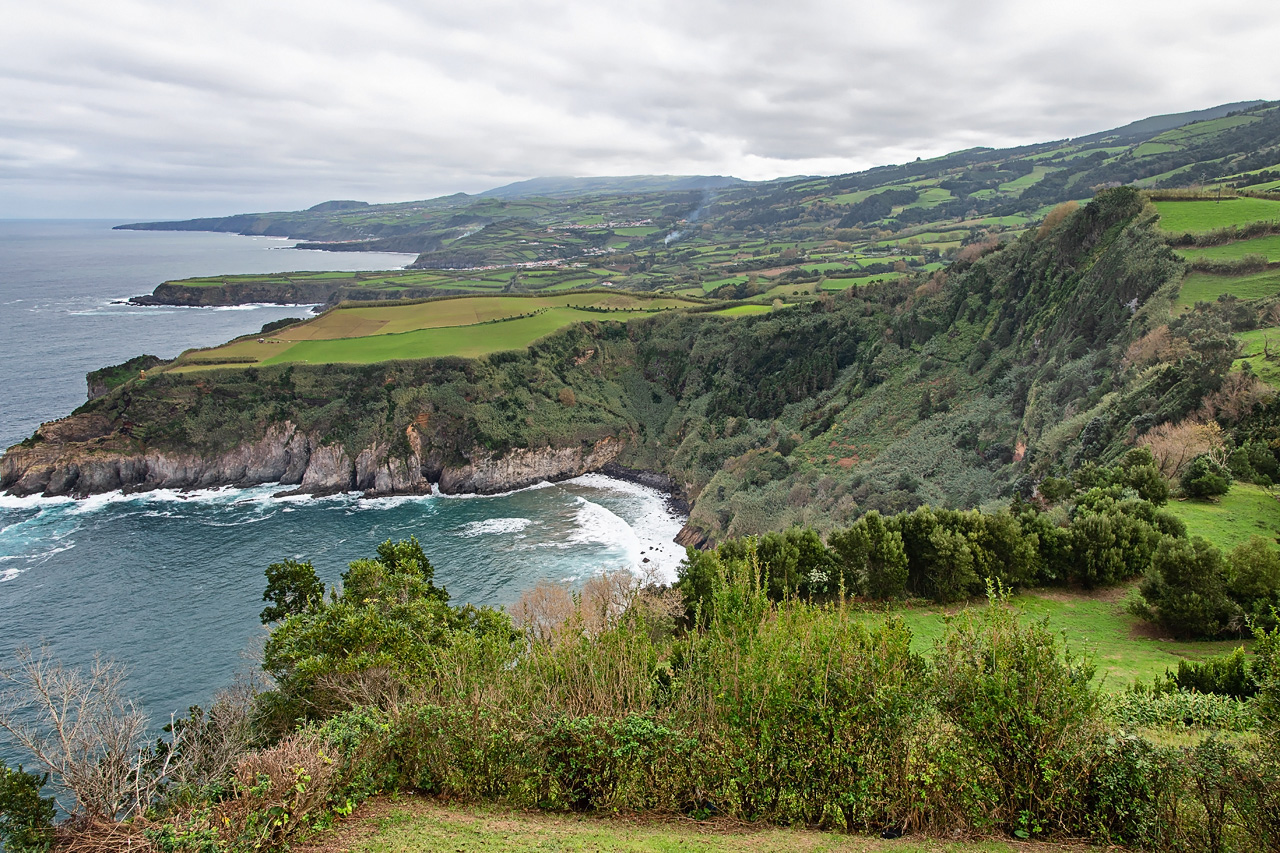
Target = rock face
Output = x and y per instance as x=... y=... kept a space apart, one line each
x=81 y=455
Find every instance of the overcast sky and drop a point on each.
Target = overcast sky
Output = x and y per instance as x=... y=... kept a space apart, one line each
x=137 y=108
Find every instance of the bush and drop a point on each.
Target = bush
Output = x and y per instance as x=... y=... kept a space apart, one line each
x=26 y=818
x=1186 y=592
x=1226 y=675
x=1205 y=478
x=1026 y=710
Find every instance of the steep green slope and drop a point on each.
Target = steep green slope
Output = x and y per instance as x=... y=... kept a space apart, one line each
x=958 y=391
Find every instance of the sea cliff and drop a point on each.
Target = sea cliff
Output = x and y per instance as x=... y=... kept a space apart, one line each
x=80 y=456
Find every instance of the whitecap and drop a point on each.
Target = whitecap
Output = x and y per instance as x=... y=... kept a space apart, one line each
x=493 y=526
x=543 y=484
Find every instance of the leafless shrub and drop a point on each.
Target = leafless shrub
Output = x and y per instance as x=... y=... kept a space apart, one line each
x=604 y=598
x=1155 y=347
x=1239 y=393
x=1174 y=445
x=543 y=611
x=79 y=727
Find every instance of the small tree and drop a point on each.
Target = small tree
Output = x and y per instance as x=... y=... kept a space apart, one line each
x=1204 y=477
x=81 y=730
x=1185 y=589
x=292 y=587
x=871 y=558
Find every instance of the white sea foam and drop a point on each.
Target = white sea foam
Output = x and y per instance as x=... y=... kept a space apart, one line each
x=32 y=502
x=653 y=524
x=494 y=526
x=9 y=574
x=435 y=491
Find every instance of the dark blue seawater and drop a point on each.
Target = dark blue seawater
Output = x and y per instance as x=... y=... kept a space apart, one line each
x=170 y=583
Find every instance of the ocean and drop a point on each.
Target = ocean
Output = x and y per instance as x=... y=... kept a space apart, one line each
x=170 y=583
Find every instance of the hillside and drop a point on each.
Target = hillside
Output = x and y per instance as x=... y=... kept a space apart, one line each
x=703 y=236
x=958 y=389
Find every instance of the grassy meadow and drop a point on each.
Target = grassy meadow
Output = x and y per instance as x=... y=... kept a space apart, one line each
x=1268 y=247
x=1232 y=519
x=1207 y=287
x=1122 y=646
x=466 y=326
x=1178 y=217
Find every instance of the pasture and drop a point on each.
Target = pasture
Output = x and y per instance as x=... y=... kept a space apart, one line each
x=1207 y=287
x=1178 y=217
x=467 y=326
x=1095 y=623
x=1268 y=247
x=1245 y=511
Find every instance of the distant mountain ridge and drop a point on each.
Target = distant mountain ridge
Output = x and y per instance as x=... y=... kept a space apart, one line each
x=554 y=219
x=560 y=187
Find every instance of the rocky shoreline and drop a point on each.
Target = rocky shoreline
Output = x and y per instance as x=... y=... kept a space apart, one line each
x=82 y=455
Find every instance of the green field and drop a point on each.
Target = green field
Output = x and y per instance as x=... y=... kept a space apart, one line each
x=1207 y=287
x=743 y=310
x=1268 y=247
x=468 y=327
x=1245 y=511
x=860 y=281
x=1120 y=644
x=420 y=824
x=1178 y=217
x=1254 y=344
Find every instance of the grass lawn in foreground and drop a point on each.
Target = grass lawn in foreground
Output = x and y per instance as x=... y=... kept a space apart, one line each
x=1181 y=216
x=421 y=824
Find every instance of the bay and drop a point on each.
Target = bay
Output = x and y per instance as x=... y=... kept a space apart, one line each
x=170 y=583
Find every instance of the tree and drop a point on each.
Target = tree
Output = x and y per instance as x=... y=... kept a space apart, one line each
x=1253 y=580
x=292 y=587
x=871 y=558
x=1205 y=477
x=1186 y=590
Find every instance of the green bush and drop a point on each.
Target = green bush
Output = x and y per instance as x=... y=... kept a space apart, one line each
x=26 y=818
x=1185 y=590
x=1027 y=711
x=1225 y=675
x=1204 y=478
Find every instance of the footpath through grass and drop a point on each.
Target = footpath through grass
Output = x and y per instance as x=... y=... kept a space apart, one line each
x=419 y=824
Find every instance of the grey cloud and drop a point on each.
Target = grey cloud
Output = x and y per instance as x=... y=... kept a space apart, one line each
x=140 y=107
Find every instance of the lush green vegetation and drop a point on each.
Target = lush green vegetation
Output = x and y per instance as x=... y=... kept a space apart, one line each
x=785 y=712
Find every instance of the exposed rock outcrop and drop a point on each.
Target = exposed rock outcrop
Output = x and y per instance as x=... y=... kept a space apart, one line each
x=81 y=455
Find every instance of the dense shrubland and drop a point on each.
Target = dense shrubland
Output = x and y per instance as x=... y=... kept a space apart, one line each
x=787 y=711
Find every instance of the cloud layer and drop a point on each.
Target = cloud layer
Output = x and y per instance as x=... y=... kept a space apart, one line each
x=147 y=108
